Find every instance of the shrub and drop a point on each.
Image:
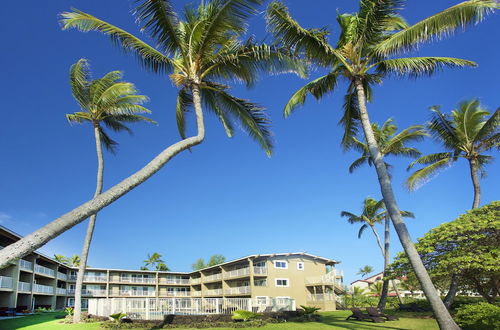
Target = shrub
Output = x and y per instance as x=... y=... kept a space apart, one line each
x=242 y=315
x=307 y=314
x=478 y=316
x=118 y=316
x=460 y=301
x=69 y=310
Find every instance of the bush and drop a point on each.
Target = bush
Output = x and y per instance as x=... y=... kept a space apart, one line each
x=242 y=315
x=478 y=316
x=206 y=325
x=460 y=301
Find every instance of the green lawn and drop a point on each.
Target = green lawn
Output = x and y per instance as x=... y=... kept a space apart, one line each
x=331 y=320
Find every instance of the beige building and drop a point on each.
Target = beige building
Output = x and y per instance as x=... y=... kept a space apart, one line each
x=37 y=280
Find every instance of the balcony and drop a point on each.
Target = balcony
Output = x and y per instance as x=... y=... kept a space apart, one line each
x=93 y=278
x=183 y=281
x=237 y=290
x=176 y=294
x=214 y=292
x=62 y=276
x=214 y=277
x=5 y=282
x=320 y=297
x=26 y=265
x=237 y=273
x=38 y=288
x=89 y=292
x=136 y=293
x=195 y=293
x=143 y=280
x=24 y=287
x=259 y=270
x=44 y=271
x=196 y=280
x=61 y=291
x=72 y=277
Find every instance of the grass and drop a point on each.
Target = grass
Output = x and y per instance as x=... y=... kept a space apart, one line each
x=330 y=320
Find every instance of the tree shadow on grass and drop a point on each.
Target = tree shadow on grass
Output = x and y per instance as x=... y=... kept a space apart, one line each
x=339 y=320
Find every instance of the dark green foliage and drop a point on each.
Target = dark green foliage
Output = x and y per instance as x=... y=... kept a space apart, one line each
x=206 y=325
x=478 y=317
x=307 y=314
x=242 y=315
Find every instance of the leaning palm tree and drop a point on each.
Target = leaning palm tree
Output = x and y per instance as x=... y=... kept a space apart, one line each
x=104 y=102
x=467 y=134
x=201 y=52
x=364 y=55
x=393 y=144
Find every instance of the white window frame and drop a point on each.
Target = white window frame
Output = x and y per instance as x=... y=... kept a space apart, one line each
x=300 y=263
x=258 y=300
x=282 y=279
x=284 y=261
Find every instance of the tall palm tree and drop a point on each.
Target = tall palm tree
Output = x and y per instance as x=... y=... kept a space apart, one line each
x=389 y=144
x=364 y=55
x=365 y=271
x=74 y=261
x=467 y=134
x=201 y=52
x=153 y=260
x=162 y=267
x=108 y=102
x=62 y=259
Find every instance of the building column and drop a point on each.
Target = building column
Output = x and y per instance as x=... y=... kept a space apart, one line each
x=250 y=264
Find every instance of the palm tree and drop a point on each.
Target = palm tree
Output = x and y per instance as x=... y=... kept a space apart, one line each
x=365 y=271
x=62 y=259
x=109 y=102
x=364 y=55
x=153 y=260
x=202 y=52
x=74 y=261
x=389 y=144
x=162 y=267
x=468 y=134
x=376 y=288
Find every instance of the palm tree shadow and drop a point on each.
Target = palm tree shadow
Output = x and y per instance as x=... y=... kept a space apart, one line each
x=341 y=322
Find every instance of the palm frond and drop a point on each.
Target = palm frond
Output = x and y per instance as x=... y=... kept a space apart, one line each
x=79 y=77
x=110 y=144
x=437 y=26
x=149 y=57
x=489 y=129
x=317 y=88
x=211 y=101
x=362 y=229
x=424 y=174
x=415 y=67
x=184 y=102
x=375 y=17
x=442 y=129
x=78 y=117
x=407 y=214
x=431 y=158
x=358 y=163
x=157 y=17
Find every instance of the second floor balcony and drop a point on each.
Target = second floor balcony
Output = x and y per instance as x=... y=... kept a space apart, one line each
x=237 y=273
x=44 y=271
x=45 y=289
x=237 y=290
x=26 y=265
x=62 y=276
x=137 y=293
x=23 y=287
x=61 y=291
x=259 y=270
x=89 y=292
x=88 y=278
x=176 y=294
x=213 y=292
x=5 y=282
x=132 y=279
x=213 y=277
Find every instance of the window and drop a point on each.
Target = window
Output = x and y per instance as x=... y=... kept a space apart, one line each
x=300 y=265
x=281 y=264
x=282 y=282
x=262 y=282
x=259 y=264
x=261 y=300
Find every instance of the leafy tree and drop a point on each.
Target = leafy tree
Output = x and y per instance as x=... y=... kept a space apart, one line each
x=154 y=260
x=468 y=246
x=144 y=268
x=108 y=102
x=364 y=55
x=365 y=271
x=409 y=283
x=201 y=53
x=199 y=264
x=468 y=134
x=216 y=259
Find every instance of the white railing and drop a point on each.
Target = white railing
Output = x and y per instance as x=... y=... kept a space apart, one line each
x=5 y=282
x=238 y=290
x=214 y=277
x=38 y=288
x=26 y=265
x=129 y=279
x=259 y=270
x=44 y=270
x=24 y=286
x=214 y=292
x=196 y=280
x=237 y=272
x=148 y=293
x=176 y=293
x=93 y=278
x=72 y=277
x=157 y=308
x=320 y=297
x=62 y=276
x=195 y=293
x=89 y=292
x=60 y=291
x=175 y=280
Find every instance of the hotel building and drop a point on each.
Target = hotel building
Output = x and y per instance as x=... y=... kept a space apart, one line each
x=37 y=280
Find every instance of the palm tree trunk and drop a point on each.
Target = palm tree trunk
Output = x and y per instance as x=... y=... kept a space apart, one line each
x=90 y=229
x=475 y=183
x=385 y=287
x=58 y=226
x=443 y=317
x=378 y=240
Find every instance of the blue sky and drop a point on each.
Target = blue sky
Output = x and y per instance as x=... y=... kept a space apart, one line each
x=226 y=196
